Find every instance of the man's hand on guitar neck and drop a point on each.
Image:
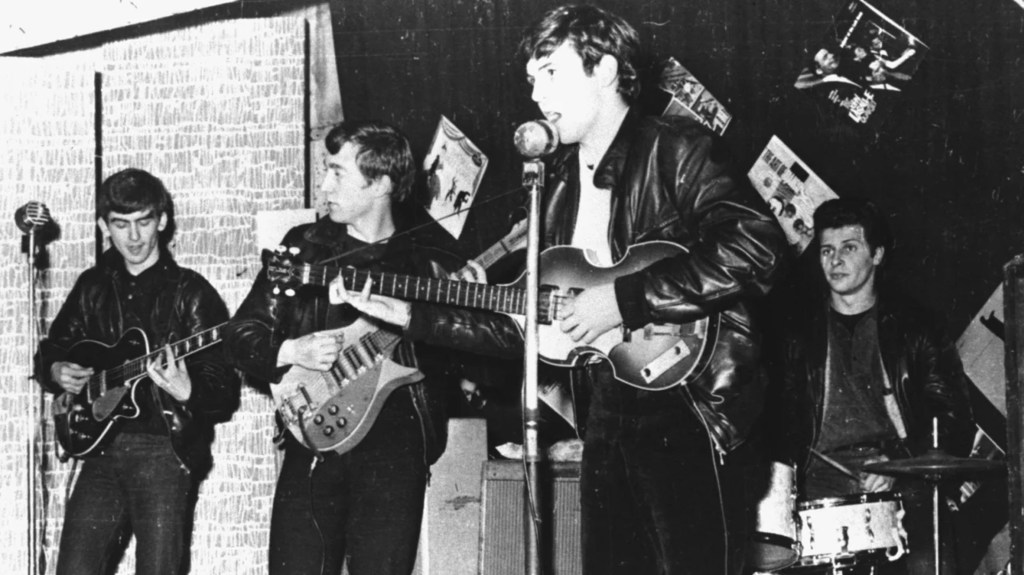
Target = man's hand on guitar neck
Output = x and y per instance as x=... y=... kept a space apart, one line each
x=389 y=309
x=384 y=308
x=171 y=375
x=590 y=314
x=70 y=376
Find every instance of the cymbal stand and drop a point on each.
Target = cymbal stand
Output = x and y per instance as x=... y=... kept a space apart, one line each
x=935 y=499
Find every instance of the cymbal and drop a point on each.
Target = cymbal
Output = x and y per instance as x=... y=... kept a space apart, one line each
x=936 y=465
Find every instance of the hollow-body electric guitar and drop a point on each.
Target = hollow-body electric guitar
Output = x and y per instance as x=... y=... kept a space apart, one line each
x=333 y=410
x=654 y=357
x=86 y=421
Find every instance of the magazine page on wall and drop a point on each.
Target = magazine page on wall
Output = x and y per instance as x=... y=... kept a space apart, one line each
x=862 y=64
x=791 y=189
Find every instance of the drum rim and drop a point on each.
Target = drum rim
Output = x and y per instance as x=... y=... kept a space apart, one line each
x=775 y=539
x=848 y=559
x=826 y=502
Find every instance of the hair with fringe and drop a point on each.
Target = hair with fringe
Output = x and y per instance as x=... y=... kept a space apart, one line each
x=593 y=32
x=133 y=190
x=842 y=212
x=383 y=151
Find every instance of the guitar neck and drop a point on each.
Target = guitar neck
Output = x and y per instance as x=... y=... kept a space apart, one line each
x=508 y=244
x=130 y=370
x=504 y=299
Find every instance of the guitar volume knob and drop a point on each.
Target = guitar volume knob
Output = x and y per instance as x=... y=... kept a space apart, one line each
x=328 y=430
x=319 y=419
x=342 y=422
x=333 y=410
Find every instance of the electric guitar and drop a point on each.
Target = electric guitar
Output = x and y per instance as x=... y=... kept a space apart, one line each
x=654 y=357
x=86 y=421
x=333 y=410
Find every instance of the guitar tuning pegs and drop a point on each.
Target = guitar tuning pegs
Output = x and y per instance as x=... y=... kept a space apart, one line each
x=289 y=292
x=277 y=290
x=280 y=249
x=294 y=250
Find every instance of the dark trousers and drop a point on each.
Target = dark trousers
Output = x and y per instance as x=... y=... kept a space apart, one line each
x=364 y=505
x=655 y=499
x=137 y=485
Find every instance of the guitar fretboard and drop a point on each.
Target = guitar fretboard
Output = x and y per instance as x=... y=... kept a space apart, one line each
x=101 y=381
x=504 y=299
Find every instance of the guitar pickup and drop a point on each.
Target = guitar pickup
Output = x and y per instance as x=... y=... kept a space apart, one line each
x=665 y=361
x=653 y=330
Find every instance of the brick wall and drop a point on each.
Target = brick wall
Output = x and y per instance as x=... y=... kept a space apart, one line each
x=46 y=154
x=216 y=111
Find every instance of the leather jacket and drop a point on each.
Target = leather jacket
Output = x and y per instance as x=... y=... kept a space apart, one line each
x=264 y=321
x=667 y=183
x=919 y=359
x=186 y=305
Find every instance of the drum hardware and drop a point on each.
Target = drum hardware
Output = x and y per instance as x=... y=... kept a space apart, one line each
x=935 y=466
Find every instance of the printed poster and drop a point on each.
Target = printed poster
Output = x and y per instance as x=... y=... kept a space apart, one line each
x=791 y=189
x=454 y=167
x=691 y=98
x=864 y=61
x=982 y=350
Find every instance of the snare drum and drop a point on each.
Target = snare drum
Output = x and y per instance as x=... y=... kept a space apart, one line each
x=774 y=542
x=851 y=529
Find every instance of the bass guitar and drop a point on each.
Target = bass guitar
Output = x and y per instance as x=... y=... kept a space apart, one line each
x=85 y=421
x=333 y=410
x=654 y=357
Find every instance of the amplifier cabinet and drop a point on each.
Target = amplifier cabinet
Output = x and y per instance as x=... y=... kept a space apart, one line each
x=501 y=538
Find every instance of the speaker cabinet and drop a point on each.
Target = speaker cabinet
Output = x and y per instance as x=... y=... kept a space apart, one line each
x=501 y=540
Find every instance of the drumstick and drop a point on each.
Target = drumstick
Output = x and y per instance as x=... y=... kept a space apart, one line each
x=839 y=466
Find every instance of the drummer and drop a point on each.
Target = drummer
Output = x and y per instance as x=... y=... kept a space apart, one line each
x=864 y=374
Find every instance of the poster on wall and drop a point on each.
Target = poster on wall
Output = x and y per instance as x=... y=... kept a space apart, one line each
x=454 y=167
x=981 y=350
x=864 y=61
x=791 y=189
x=689 y=97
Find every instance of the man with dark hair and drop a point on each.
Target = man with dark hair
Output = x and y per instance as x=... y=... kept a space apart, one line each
x=144 y=479
x=362 y=504
x=867 y=376
x=662 y=471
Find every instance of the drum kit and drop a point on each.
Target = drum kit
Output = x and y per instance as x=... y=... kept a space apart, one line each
x=838 y=533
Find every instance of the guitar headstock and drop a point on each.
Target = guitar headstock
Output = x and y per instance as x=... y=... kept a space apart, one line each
x=283 y=269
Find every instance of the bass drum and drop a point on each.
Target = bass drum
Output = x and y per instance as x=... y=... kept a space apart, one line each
x=775 y=542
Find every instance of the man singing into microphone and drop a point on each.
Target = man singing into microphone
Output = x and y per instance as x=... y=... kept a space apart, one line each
x=662 y=475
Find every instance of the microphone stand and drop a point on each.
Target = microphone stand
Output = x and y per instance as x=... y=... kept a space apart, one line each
x=533 y=179
x=33 y=410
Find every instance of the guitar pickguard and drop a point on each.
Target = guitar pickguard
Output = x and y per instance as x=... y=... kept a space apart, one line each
x=333 y=410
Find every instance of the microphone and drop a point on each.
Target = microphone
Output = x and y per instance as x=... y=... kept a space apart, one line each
x=536 y=138
x=32 y=216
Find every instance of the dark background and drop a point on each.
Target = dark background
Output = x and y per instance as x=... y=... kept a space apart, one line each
x=946 y=163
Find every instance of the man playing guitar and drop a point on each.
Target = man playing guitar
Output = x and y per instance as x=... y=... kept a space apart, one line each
x=662 y=471
x=362 y=504
x=141 y=472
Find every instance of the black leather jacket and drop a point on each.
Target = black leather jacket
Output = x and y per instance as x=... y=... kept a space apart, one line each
x=187 y=305
x=264 y=321
x=668 y=184
x=922 y=365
